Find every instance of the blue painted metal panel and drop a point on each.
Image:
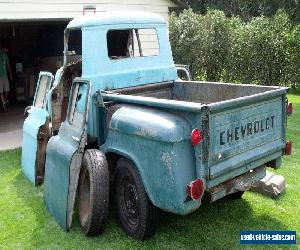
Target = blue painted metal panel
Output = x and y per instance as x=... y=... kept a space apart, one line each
x=60 y=151
x=243 y=168
x=64 y=155
x=245 y=158
x=244 y=128
x=32 y=124
x=151 y=124
x=158 y=142
x=97 y=66
x=127 y=72
x=37 y=117
x=244 y=134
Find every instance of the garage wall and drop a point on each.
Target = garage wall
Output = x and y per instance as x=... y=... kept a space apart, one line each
x=67 y=9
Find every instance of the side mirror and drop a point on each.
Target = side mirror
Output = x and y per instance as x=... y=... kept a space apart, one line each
x=183 y=72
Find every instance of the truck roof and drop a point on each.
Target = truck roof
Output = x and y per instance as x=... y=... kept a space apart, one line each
x=116 y=17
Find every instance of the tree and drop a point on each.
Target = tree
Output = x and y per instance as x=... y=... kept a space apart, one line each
x=249 y=8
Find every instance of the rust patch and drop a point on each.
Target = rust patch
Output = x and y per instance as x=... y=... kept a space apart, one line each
x=240 y=183
x=43 y=137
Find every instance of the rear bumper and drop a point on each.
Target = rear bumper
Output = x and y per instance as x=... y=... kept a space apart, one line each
x=239 y=183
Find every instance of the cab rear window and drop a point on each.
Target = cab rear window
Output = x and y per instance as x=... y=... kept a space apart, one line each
x=132 y=43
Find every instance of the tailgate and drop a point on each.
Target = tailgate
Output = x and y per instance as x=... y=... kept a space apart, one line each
x=245 y=133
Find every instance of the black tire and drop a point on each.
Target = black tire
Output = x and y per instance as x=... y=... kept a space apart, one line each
x=235 y=196
x=93 y=195
x=136 y=213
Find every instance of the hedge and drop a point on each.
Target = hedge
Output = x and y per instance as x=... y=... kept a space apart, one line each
x=264 y=51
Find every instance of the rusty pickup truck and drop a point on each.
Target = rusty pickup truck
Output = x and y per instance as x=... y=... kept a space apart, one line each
x=117 y=125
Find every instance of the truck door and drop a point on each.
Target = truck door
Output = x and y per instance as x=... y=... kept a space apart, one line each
x=64 y=155
x=36 y=131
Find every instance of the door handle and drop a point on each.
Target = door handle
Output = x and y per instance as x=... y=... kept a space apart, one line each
x=75 y=138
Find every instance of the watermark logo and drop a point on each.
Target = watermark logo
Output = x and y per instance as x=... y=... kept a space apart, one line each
x=267 y=237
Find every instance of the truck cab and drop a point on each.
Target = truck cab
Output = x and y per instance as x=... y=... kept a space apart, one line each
x=117 y=121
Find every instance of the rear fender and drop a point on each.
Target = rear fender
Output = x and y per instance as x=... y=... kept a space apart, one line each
x=158 y=143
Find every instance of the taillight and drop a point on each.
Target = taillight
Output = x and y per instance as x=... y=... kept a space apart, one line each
x=196 y=189
x=288 y=148
x=196 y=137
x=289 y=109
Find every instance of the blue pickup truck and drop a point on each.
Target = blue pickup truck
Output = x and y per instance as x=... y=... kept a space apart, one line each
x=116 y=125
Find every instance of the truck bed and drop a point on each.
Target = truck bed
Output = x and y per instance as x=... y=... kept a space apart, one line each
x=244 y=125
x=197 y=92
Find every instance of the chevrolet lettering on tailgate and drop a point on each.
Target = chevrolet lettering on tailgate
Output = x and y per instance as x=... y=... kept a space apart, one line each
x=248 y=129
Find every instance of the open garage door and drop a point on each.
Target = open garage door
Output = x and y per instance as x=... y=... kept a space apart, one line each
x=31 y=46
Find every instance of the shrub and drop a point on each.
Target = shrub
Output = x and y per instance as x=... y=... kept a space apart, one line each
x=291 y=76
x=262 y=51
x=201 y=41
x=186 y=39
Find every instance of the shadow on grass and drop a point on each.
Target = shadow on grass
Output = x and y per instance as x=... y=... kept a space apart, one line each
x=214 y=225
x=217 y=224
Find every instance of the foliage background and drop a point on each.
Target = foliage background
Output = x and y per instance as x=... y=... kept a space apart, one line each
x=217 y=47
x=247 y=9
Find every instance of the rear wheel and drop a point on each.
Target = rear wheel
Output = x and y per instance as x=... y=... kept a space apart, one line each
x=93 y=196
x=137 y=215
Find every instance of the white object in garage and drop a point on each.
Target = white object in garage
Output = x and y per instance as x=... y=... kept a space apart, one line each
x=19 y=68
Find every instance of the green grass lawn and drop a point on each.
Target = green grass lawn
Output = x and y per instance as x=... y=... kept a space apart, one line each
x=25 y=222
